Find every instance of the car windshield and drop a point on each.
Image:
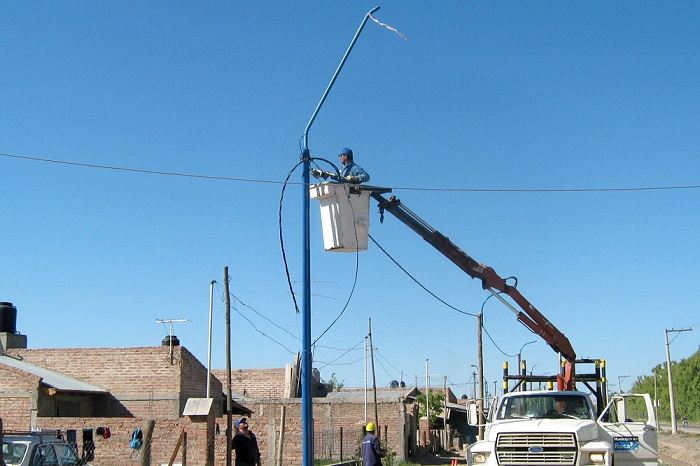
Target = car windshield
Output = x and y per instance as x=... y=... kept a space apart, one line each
x=13 y=453
x=573 y=406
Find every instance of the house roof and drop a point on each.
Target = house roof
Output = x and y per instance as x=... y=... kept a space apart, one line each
x=51 y=378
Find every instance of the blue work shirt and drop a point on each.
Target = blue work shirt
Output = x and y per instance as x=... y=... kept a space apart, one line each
x=371 y=451
x=355 y=170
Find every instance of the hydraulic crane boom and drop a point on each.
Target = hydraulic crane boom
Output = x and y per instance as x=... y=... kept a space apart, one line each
x=490 y=280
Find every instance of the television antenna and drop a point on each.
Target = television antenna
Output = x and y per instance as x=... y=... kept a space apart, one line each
x=170 y=339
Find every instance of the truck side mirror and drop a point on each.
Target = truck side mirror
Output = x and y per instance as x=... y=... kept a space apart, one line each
x=472 y=414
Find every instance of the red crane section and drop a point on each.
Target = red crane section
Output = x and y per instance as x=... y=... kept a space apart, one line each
x=528 y=314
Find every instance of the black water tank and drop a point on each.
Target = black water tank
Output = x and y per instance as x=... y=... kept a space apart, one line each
x=8 y=318
x=168 y=339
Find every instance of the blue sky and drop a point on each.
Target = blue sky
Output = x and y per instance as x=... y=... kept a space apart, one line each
x=508 y=126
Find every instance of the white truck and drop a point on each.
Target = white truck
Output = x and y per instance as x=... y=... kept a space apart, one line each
x=561 y=428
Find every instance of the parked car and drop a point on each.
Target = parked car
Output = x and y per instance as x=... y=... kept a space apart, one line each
x=38 y=449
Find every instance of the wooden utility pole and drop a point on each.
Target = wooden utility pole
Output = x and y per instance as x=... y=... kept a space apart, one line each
x=374 y=379
x=146 y=446
x=229 y=402
x=444 y=413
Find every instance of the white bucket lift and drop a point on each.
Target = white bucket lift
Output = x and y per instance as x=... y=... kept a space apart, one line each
x=344 y=215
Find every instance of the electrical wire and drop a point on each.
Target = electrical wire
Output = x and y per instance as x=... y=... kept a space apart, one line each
x=260 y=331
x=348 y=351
x=266 y=318
x=416 y=280
x=397 y=188
x=284 y=255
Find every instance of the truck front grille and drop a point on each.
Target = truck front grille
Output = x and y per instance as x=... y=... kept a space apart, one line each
x=536 y=449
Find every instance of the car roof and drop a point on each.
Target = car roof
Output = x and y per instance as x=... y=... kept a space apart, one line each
x=41 y=437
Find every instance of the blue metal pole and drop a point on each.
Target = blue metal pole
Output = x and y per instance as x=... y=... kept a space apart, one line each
x=307 y=418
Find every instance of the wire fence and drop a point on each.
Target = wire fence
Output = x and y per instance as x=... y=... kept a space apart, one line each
x=336 y=444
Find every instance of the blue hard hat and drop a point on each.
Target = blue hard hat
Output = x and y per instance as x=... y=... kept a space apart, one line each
x=238 y=422
x=346 y=151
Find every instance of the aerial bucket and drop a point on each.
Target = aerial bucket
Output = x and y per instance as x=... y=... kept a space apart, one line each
x=344 y=215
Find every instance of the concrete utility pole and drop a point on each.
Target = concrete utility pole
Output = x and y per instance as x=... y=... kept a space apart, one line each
x=619 y=382
x=674 y=424
x=482 y=420
x=374 y=379
x=211 y=312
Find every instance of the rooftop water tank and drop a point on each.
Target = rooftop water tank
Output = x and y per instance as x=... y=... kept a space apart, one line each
x=171 y=339
x=8 y=318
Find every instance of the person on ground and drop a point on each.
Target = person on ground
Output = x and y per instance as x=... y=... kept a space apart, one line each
x=245 y=445
x=372 y=452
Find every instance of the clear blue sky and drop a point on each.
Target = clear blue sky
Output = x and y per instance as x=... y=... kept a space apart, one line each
x=508 y=126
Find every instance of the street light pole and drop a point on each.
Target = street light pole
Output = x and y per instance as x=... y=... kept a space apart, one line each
x=674 y=425
x=520 y=369
x=307 y=422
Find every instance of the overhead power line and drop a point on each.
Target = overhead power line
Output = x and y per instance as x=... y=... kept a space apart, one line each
x=404 y=188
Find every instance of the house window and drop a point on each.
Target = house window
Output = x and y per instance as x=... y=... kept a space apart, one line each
x=68 y=409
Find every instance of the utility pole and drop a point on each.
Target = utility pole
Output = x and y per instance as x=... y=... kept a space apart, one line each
x=427 y=396
x=374 y=380
x=619 y=382
x=366 y=336
x=444 y=411
x=479 y=318
x=674 y=424
x=229 y=402
x=211 y=312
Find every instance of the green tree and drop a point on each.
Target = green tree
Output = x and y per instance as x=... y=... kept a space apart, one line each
x=437 y=403
x=334 y=382
x=686 y=388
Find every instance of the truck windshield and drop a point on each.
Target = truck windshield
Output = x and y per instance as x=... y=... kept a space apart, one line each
x=573 y=406
x=13 y=453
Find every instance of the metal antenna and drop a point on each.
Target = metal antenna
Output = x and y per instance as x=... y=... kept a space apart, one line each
x=170 y=339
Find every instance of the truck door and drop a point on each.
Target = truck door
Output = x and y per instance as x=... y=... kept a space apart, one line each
x=629 y=424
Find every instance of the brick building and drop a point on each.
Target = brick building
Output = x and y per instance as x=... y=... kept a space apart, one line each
x=87 y=390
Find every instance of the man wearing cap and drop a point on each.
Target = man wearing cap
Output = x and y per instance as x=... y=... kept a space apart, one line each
x=246 y=445
x=351 y=172
x=372 y=452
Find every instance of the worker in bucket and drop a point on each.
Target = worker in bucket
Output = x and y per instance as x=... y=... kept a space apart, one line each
x=350 y=173
x=372 y=452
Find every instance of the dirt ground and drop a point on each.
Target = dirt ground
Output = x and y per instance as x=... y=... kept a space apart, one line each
x=681 y=449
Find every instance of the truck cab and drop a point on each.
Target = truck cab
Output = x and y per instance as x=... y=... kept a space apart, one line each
x=561 y=427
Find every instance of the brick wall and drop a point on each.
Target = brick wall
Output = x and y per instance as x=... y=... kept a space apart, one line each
x=18 y=397
x=142 y=381
x=255 y=383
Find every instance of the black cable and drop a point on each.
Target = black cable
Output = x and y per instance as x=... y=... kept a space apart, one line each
x=261 y=332
x=284 y=255
x=267 y=319
x=417 y=282
x=351 y=349
x=405 y=188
